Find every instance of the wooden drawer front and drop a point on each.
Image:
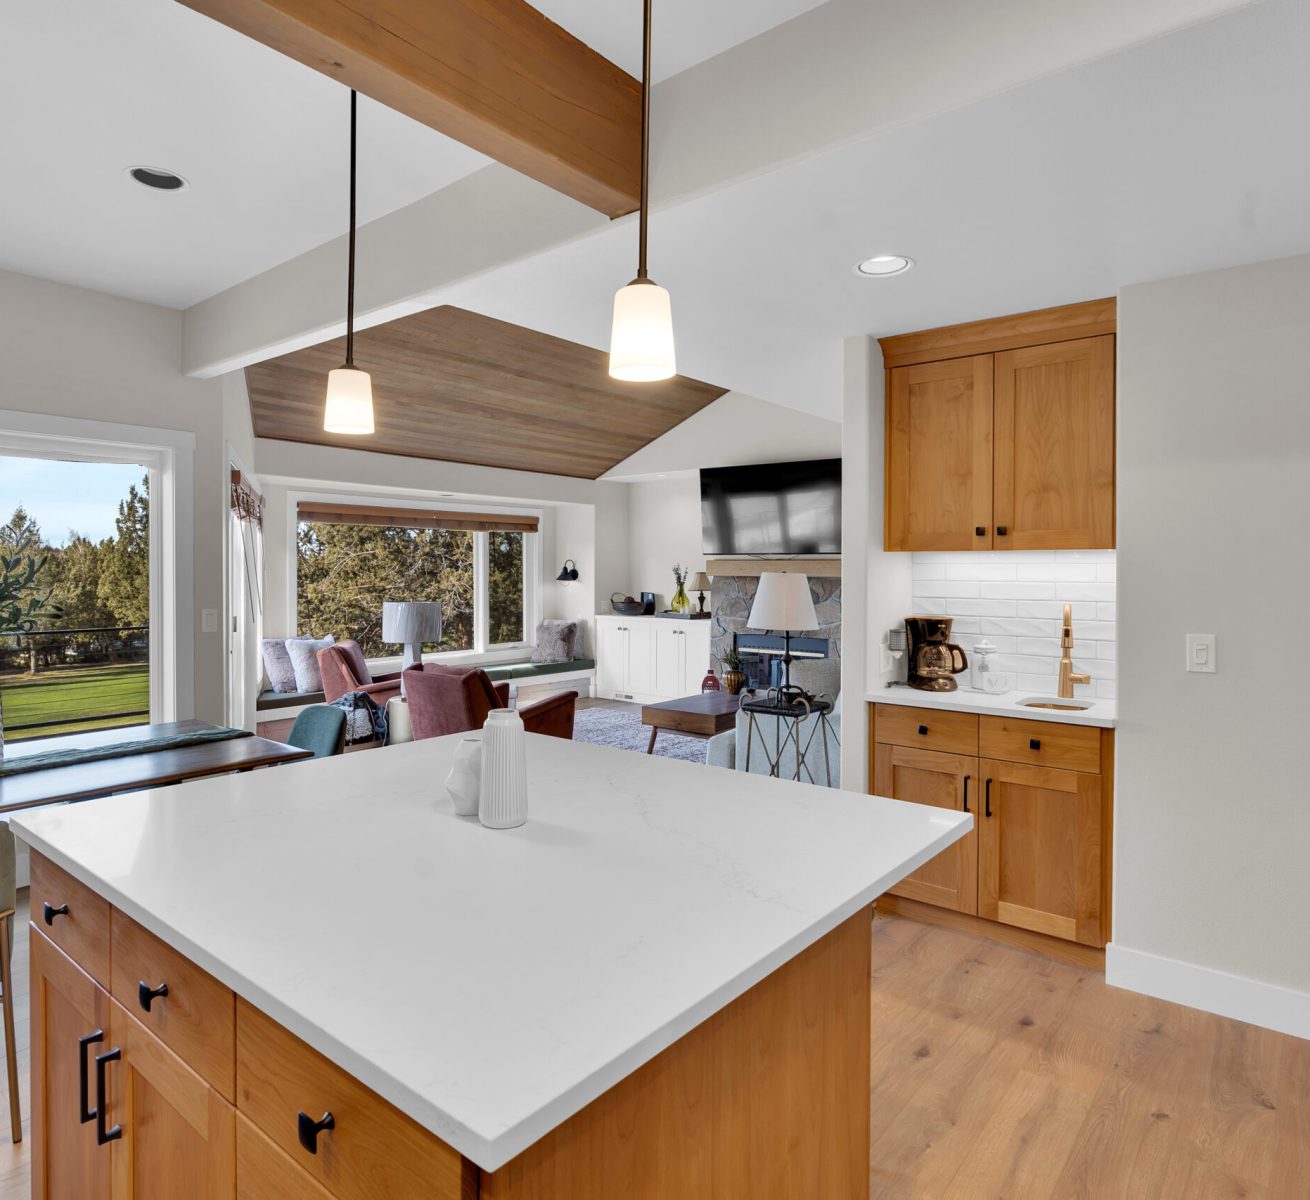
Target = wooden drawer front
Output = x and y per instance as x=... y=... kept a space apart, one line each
x=1042 y=743
x=265 y=1173
x=72 y=916
x=373 y=1151
x=195 y=1018
x=927 y=729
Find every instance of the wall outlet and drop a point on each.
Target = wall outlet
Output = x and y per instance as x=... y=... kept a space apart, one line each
x=1201 y=652
x=209 y=620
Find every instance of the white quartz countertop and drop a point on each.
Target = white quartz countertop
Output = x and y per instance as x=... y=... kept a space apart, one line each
x=1003 y=704
x=491 y=983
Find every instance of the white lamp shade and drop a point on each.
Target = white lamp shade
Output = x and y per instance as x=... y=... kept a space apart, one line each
x=783 y=602
x=411 y=622
x=641 y=341
x=700 y=582
x=349 y=401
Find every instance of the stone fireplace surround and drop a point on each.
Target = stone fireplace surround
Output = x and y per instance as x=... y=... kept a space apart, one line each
x=730 y=600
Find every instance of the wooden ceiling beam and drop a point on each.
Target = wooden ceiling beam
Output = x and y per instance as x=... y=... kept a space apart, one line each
x=496 y=75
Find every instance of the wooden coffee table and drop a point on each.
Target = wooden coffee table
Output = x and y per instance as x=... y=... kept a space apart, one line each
x=692 y=716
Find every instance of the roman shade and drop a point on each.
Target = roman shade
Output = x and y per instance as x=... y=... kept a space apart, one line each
x=323 y=512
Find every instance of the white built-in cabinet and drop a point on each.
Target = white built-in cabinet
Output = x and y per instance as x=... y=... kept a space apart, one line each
x=648 y=659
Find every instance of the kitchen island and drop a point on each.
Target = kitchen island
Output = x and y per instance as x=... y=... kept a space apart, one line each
x=319 y=982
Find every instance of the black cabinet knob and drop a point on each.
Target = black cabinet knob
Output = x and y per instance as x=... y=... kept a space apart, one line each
x=923 y=729
x=1001 y=530
x=980 y=531
x=147 y=995
x=50 y=912
x=1034 y=743
x=307 y=1129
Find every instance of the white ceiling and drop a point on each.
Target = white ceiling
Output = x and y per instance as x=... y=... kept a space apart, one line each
x=1179 y=155
x=94 y=87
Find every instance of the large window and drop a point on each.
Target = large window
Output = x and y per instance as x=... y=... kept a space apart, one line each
x=350 y=559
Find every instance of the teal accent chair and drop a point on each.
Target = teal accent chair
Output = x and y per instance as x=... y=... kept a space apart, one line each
x=321 y=729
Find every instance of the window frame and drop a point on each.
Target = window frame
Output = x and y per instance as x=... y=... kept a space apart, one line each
x=482 y=651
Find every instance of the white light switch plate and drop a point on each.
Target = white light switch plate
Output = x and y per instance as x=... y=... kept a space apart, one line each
x=1201 y=652
x=209 y=620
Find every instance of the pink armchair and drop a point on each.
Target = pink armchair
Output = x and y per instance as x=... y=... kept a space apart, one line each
x=457 y=700
x=344 y=670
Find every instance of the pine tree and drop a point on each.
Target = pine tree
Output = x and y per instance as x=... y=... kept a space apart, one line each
x=124 y=559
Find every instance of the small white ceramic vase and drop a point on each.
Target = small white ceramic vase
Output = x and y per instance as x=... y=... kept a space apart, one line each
x=464 y=783
x=504 y=798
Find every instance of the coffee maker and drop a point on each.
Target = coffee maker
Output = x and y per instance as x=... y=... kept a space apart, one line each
x=933 y=659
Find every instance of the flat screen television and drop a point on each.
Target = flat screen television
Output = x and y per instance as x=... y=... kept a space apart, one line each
x=772 y=508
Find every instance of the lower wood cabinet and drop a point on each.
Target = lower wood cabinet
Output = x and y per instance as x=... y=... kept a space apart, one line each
x=944 y=781
x=1039 y=855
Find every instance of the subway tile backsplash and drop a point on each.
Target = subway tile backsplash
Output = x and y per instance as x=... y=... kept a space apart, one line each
x=1015 y=599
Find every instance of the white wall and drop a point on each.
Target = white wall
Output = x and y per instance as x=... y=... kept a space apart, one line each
x=875 y=584
x=69 y=352
x=663 y=528
x=1212 y=830
x=1015 y=598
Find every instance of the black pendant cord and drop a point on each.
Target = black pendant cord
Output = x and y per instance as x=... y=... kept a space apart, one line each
x=645 y=142
x=350 y=270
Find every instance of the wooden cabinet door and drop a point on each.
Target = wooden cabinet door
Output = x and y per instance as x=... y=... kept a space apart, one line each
x=670 y=660
x=1039 y=850
x=67 y=1006
x=641 y=658
x=612 y=647
x=944 y=781
x=1055 y=446
x=177 y=1134
x=939 y=456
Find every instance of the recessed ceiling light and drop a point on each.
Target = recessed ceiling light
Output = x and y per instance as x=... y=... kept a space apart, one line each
x=884 y=264
x=160 y=180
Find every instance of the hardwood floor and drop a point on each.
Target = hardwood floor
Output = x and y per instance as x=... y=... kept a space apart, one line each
x=1000 y=1073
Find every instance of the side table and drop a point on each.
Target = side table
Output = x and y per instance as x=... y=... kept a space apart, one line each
x=791 y=716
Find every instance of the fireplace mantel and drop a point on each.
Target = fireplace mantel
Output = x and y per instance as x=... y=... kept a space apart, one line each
x=815 y=568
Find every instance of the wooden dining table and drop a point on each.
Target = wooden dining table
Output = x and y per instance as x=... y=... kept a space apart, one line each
x=133 y=772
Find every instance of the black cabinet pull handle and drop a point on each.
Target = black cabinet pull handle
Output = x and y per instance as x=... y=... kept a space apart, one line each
x=85 y=1112
x=50 y=912
x=987 y=799
x=1034 y=743
x=146 y=995
x=966 y=793
x=923 y=728
x=103 y=1135
x=980 y=531
x=307 y=1129
x=1001 y=530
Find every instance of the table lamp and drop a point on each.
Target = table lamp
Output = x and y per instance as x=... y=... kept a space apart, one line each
x=701 y=583
x=411 y=623
x=782 y=602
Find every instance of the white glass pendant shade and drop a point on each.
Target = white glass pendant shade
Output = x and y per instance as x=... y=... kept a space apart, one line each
x=641 y=341
x=349 y=401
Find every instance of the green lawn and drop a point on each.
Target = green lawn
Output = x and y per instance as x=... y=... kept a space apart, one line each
x=67 y=692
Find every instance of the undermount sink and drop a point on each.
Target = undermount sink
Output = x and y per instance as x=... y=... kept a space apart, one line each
x=1055 y=702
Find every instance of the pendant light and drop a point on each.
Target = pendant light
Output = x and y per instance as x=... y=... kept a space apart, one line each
x=641 y=340
x=349 y=407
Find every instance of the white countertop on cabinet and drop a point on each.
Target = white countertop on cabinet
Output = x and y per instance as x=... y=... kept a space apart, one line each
x=491 y=983
x=1004 y=704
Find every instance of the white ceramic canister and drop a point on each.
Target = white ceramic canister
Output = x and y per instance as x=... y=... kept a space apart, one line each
x=504 y=794
x=983 y=675
x=464 y=783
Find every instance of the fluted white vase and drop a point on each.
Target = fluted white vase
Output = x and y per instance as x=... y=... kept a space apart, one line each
x=464 y=783
x=504 y=798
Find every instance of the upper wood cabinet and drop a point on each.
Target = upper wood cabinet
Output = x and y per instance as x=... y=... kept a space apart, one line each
x=1012 y=449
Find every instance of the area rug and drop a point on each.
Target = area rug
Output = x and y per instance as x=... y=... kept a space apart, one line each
x=621 y=727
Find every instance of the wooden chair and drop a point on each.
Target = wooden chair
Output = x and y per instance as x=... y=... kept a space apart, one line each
x=8 y=903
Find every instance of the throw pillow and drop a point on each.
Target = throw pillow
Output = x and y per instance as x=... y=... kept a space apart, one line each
x=277 y=662
x=556 y=642
x=304 y=658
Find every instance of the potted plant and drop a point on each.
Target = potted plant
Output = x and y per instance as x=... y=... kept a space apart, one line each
x=22 y=602
x=733 y=678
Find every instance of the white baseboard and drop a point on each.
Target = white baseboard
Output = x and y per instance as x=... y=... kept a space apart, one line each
x=1266 y=1004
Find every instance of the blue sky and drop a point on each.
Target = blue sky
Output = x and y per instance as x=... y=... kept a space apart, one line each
x=65 y=495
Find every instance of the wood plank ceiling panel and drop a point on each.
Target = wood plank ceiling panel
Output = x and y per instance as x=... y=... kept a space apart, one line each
x=457 y=386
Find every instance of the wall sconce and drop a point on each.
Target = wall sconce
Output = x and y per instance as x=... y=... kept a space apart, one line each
x=568 y=573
